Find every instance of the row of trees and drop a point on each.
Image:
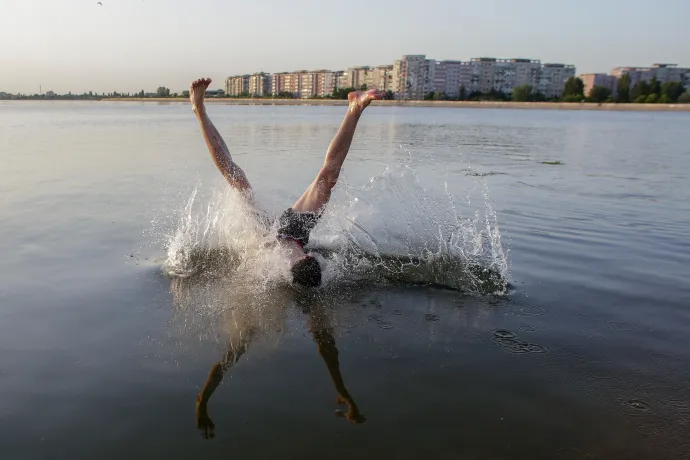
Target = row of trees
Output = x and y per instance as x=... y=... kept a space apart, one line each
x=339 y=93
x=642 y=92
x=161 y=92
x=574 y=91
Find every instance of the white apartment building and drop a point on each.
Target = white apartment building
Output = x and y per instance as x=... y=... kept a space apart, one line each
x=553 y=77
x=358 y=76
x=259 y=84
x=482 y=74
x=663 y=72
x=307 y=84
x=509 y=73
x=342 y=80
x=292 y=84
x=382 y=77
x=379 y=77
x=237 y=85
x=326 y=82
x=449 y=76
x=413 y=76
x=278 y=83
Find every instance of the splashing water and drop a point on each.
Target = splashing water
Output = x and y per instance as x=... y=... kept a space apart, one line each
x=391 y=230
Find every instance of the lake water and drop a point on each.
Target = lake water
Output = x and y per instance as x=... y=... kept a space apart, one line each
x=117 y=299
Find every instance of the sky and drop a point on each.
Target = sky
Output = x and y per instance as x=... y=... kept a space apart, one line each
x=130 y=45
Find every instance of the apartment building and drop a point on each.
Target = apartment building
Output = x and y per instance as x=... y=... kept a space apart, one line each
x=326 y=82
x=237 y=85
x=482 y=74
x=487 y=74
x=509 y=73
x=553 y=78
x=411 y=76
x=278 y=83
x=292 y=84
x=414 y=76
x=307 y=84
x=591 y=80
x=355 y=77
x=382 y=77
x=259 y=84
x=449 y=76
x=662 y=72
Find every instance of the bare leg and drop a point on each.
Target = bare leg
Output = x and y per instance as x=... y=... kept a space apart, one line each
x=319 y=192
x=215 y=377
x=216 y=145
x=323 y=336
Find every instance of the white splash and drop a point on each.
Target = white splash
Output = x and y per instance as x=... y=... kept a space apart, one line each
x=392 y=229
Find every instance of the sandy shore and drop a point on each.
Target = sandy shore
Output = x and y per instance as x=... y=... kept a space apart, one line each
x=448 y=104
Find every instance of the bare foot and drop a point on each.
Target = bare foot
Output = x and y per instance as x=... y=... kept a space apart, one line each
x=197 y=92
x=359 y=100
x=352 y=415
x=203 y=421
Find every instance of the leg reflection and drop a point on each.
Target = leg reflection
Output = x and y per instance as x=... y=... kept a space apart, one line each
x=215 y=376
x=322 y=332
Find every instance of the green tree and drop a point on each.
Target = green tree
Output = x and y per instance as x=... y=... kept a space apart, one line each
x=623 y=89
x=599 y=94
x=572 y=98
x=523 y=93
x=463 y=93
x=685 y=97
x=439 y=96
x=672 y=91
x=574 y=88
x=639 y=90
x=652 y=99
x=654 y=87
x=475 y=96
x=341 y=93
x=162 y=91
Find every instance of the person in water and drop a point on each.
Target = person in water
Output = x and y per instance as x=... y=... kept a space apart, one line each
x=297 y=222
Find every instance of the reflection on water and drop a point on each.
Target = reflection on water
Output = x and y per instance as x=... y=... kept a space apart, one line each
x=244 y=318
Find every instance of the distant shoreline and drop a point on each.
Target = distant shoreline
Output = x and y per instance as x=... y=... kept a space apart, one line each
x=446 y=104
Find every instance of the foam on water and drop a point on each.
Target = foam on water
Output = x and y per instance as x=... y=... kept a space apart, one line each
x=391 y=230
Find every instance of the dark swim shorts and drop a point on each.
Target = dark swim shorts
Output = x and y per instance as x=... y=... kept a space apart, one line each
x=297 y=225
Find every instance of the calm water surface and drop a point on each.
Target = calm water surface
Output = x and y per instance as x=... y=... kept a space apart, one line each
x=103 y=355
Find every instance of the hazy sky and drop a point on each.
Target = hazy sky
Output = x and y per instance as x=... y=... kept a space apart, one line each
x=129 y=45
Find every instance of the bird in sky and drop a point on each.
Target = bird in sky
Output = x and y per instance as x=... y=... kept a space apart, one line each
x=99 y=3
